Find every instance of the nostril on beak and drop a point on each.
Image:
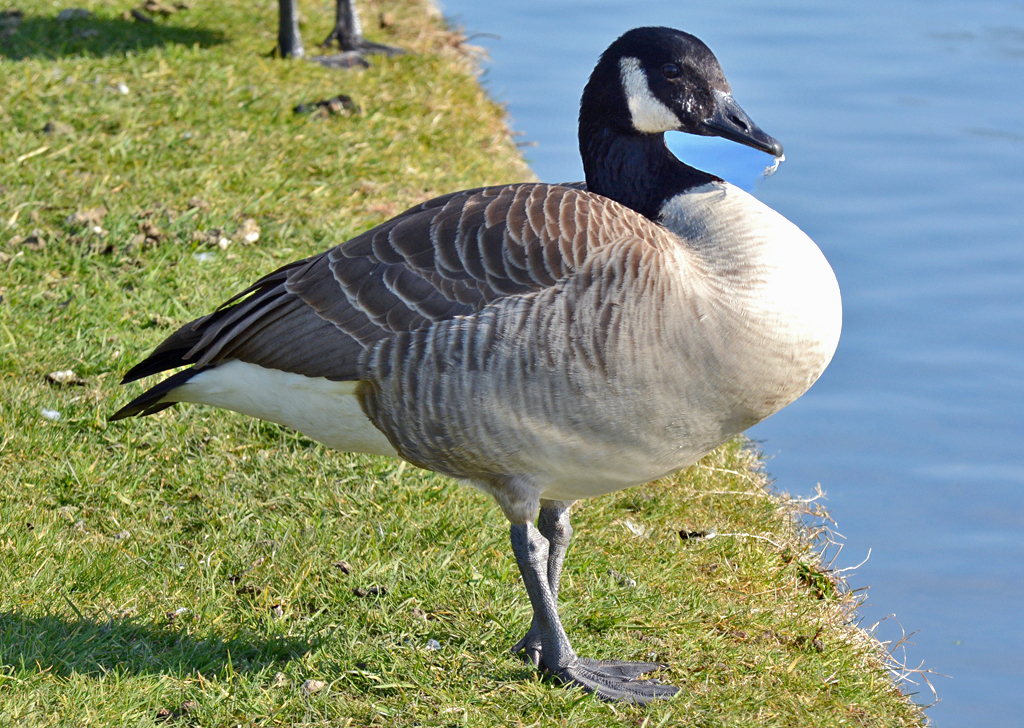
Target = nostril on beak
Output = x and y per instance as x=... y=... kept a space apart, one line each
x=739 y=122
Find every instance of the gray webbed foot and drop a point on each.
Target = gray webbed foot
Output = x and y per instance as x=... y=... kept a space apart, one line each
x=621 y=668
x=615 y=680
x=356 y=58
x=344 y=59
x=533 y=651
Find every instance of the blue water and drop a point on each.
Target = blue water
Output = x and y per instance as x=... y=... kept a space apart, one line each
x=903 y=124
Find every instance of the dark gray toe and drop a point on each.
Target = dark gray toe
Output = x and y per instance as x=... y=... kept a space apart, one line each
x=530 y=649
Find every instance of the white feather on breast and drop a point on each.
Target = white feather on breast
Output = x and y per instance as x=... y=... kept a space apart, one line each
x=766 y=285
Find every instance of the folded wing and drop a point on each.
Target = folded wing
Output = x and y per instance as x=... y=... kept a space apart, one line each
x=448 y=257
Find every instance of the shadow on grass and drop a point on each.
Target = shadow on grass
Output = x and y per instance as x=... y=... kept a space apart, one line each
x=88 y=647
x=40 y=37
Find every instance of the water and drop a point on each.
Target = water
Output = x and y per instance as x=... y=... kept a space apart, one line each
x=904 y=133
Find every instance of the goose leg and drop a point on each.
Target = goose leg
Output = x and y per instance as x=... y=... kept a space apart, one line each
x=348 y=32
x=610 y=680
x=289 y=39
x=553 y=524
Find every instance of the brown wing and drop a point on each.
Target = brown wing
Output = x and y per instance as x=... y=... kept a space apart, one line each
x=449 y=257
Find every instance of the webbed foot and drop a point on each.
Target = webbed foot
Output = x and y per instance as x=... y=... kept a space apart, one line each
x=533 y=651
x=610 y=679
x=615 y=680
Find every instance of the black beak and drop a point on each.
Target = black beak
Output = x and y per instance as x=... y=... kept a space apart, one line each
x=731 y=122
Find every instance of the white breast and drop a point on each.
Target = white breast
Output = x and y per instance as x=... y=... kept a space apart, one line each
x=767 y=287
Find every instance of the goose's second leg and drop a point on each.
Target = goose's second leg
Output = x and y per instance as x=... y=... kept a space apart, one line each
x=610 y=680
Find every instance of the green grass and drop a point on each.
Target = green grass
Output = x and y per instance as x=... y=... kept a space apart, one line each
x=186 y=568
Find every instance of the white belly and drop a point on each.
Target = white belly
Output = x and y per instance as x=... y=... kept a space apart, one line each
x=326 y=411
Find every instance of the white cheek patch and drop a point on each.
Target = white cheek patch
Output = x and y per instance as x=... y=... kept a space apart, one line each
x=649 y=115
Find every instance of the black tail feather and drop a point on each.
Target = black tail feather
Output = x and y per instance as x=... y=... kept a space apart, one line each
x=175 y=351
x=149 y=402
x=156 y=363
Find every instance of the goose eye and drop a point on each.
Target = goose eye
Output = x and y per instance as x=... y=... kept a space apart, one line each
x=671 y=70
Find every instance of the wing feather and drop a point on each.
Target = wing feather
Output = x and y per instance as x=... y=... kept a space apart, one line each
x=448 y=257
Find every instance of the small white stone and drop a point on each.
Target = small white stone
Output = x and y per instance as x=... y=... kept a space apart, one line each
x=638 y=530
x=64 y=376
x=313 y=686
x=249 y=231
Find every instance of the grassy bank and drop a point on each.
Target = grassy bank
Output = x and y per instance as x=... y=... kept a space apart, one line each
x=200 y=568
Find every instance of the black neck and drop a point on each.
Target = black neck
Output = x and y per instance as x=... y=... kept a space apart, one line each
x=636 y=170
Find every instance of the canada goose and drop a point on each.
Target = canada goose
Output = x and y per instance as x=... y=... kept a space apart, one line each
x=544 y=342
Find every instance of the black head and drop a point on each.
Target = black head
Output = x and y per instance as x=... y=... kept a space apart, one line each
x=653 y=80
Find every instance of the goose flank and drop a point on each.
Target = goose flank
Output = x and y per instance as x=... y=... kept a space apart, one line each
x=544 y=343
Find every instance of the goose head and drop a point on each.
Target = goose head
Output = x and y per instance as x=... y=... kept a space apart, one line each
x=648 y=82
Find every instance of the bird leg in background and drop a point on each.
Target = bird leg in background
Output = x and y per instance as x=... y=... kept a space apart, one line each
x=348 y=32
x=289 y=40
